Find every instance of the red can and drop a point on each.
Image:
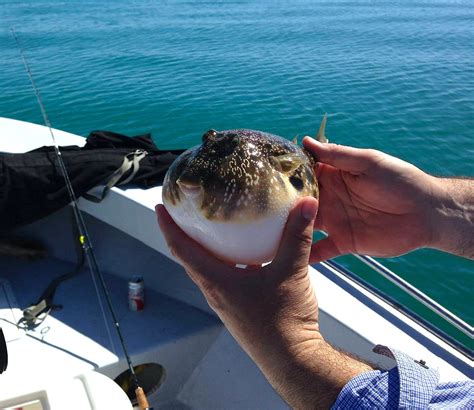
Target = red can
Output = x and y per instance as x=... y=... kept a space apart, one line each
x=136 y=293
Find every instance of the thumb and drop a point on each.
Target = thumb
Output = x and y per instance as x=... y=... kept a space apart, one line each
x=323 y=250
x=295 y=245
x=345 y=158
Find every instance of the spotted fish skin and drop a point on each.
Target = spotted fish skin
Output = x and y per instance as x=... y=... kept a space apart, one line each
x=233 y=193
x=241 y=175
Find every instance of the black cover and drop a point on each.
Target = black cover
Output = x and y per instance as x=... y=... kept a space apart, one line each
x=3 y=353
x=32 y=185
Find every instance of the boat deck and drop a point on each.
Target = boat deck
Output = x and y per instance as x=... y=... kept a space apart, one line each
x=205 y=368
x=74 y=338
x=185 y=338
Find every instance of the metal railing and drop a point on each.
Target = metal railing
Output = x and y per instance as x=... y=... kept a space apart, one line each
x=418 y=295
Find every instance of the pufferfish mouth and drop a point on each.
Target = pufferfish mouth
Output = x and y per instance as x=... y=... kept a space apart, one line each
x=189 y=189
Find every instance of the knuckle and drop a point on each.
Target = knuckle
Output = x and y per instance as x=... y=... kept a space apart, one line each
x=303 y=239
x=332 y=149
x=373 y=154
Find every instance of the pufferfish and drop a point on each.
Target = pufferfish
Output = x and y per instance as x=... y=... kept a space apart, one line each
x=233 y=193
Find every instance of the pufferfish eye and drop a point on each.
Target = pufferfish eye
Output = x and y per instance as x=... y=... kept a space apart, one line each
x=297 y=182
x=209 y=135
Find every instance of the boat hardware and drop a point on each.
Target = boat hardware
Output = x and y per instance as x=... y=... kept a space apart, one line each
x=434 y=306
x=451 y=341
x=84 y=238
x=36 y=313
x=424 y=299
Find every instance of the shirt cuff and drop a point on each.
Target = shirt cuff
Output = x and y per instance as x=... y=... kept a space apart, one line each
x=410 y=383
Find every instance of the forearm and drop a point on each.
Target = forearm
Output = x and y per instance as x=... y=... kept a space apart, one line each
x=310 y=376
x=452 y=217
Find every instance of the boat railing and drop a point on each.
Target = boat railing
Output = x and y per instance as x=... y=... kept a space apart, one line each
x=431 y=304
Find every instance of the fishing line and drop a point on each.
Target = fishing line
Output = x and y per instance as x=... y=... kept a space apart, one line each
x=77 y=214
x=84 y=238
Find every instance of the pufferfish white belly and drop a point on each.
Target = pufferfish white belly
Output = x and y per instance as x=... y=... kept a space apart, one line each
x=233 y=193
x=246 y=242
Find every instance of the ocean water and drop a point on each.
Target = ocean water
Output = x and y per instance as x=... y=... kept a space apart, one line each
x=397 y=76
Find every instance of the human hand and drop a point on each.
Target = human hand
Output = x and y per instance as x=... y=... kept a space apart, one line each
x=370 y=203
x=272 y=310
x=269 y=307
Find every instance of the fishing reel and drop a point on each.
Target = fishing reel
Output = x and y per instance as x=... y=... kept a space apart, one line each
x=3 y=352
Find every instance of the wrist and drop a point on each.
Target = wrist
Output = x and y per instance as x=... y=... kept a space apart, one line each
x=310 y=373
x=277 y=348
x=452 y=216
x=438 y=195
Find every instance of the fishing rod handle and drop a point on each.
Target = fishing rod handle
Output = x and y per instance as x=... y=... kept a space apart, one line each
x=142 y=400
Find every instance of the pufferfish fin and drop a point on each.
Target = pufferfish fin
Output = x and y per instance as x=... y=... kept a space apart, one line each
x=286 y=163
x=320 y=135
x=295 y=139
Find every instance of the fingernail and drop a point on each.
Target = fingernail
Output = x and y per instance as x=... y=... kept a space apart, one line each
x=309 y=210
x=309 y=139
x=315 y=141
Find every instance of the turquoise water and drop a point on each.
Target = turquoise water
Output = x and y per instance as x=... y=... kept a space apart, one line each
x=396 y=76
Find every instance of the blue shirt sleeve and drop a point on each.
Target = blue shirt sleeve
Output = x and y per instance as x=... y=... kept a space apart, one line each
x=410 y=384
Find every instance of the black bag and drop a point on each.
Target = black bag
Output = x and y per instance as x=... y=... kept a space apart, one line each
x=32 y=185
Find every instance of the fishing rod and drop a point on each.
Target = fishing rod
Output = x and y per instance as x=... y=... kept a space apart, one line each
x=84 y=237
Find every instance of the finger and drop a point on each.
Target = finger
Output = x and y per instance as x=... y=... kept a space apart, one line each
x=326 y=174
x=345 y=158
x=200 y=264
x=323 y=250
x=329 y=184
x=295 y=245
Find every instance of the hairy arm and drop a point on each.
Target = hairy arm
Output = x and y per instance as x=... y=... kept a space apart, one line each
x=313 y=377
x=452 y=216
x=272 y=311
